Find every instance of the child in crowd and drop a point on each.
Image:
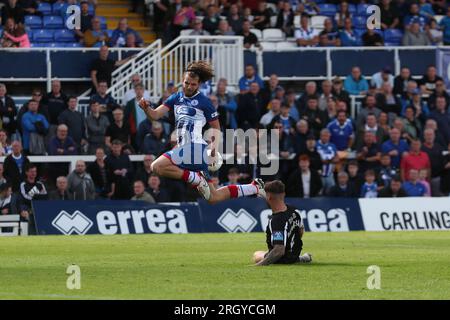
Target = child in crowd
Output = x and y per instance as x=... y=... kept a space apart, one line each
x=370 y=188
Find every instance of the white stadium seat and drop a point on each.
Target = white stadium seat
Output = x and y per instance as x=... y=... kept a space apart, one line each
x=269 y=46
x=317 y=22
x=273 y=34
x=273 y=21
x=286 y=45
x=186 y=32
x=257 y=33
x=297 y=21
x=438 y=18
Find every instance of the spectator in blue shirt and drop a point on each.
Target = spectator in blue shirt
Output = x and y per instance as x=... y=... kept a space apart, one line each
x=119 y=35
x=249 y=77
x=348 y=36
x=395 y=147
x=415 y=16
x=370 y=188
x=29 y=121
x=62 y=144
x=413 y=187
x=341 y=130
x=355 y=83
x=445 y=24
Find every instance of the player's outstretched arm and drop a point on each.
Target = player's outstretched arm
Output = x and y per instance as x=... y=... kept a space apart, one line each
x=273 y=256
x=153 y=114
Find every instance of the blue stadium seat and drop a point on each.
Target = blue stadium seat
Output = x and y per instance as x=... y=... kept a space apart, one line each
x=351 y=8
x=91 y=10
x=393 y=36
x=359 y=22
x=45 y=8
x=74 y=45
x=64 y=35
x=327 y=9
x=55 y=45
x=53 y=22
x=34 y=22
x=110 y=32
x=43 y=35
x=361 y=9
x=103 y=23
x=56 y=8
x=30 y=34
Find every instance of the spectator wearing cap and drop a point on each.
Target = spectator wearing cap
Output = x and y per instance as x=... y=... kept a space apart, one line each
x=118 y=37
x=414 y=36
x=118 y=129
x=304 y=182
x=412 y=187
x=401 y=81
x=395 y=147
x=285 y=18
x=131 y=94
x=96 y=125
x=355 y=83
x=306 y=36
x=339 y=92
x=393 y=190
x=341 y=130
x=249 y=77
x=198 y=29
x=379 y=78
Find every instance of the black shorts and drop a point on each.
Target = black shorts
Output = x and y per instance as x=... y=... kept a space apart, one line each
x=287 y=259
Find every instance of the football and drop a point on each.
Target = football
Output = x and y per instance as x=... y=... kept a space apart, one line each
x=215 y=163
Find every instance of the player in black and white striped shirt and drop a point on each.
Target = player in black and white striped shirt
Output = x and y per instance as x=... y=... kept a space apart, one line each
x=284 y=231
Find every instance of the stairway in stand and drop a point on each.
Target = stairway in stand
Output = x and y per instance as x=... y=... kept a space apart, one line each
x=114 y=10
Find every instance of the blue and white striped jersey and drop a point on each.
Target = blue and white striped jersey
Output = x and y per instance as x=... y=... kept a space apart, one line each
x=191 y=115
x=327 y=151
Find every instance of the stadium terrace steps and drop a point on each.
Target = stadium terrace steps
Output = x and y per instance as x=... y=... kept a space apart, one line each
x=114 y=10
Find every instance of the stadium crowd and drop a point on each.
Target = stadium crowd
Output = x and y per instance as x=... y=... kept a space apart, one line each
x=307 y=23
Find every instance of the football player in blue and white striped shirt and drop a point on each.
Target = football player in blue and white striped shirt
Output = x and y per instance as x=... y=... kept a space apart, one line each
x=188 y=161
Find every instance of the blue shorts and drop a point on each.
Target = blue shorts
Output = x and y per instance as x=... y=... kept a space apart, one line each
x=190 y=156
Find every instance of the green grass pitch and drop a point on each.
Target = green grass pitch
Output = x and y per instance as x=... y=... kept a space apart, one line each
x=414 y=265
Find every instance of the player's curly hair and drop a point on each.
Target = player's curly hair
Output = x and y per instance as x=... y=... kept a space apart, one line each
x=201 y=69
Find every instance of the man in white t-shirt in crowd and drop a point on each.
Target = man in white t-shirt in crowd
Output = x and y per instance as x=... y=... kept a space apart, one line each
x=275 y=109
x=131 y=94
x=305 y=35
x=379 y=78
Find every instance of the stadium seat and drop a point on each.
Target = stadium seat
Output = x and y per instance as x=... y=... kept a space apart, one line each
x=64 y=35
x=269 y=45
x=103 y=23
x=257 y=33
x=317 y=21
x=393 y=36
x=352 y=8
x=56 y=8
x=273 y=34
x=53 y=22
x=34 y=22
x=74 y=45
x=361 y=9
x=186 y=32
x=359 y=22
x=327 y=9
x=43 y=35
x=30 y=34
x=297 y=19
x=286 y=45
x=109 y=32
x=91 y=10
x=55 y=45
x=45 y=8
